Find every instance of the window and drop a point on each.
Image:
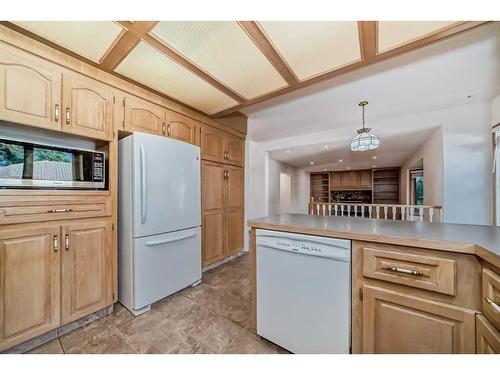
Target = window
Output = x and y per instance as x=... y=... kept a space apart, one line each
x=417 y=186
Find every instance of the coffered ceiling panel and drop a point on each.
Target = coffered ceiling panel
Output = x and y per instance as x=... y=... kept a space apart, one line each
x=312 y=48
x=152 y=68
x=392 y=34
x=90 y=39
x=223 y=50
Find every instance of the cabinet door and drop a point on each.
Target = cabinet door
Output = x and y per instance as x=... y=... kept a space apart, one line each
x=350 y=179
x=365 y=179
x=234 y=209
x=86 y=269
x=487 y=337
x=30 y=91
x=213 y=211
x=143 y=116
x=212 y=144
x=180 y=127
x=29 y=283
x=235 y=150
x=336 y=180
x=398 y=323
x=87 y=107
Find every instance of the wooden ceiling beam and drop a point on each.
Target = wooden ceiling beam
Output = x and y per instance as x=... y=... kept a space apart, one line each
x=260 y=39
x=447 y=32
x=368 y=39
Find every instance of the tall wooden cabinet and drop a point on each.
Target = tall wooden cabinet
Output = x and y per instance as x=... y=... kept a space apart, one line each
x=223 y=224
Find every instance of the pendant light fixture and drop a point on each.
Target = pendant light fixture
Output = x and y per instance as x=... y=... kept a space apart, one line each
x=365 y=140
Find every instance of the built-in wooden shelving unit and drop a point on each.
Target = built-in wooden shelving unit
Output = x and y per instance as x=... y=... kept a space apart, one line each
x=386 y=186
x=320 y=186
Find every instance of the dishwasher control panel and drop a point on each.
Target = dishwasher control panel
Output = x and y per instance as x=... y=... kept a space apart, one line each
x=306 y=247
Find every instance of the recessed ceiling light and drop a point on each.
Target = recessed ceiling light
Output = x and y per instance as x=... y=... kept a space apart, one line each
x=374 y=166
x=325 y=146
x=374 y=157
x=340 y=160
x=288 y=151
x=324 y=169
x=312 y=163
x=347 y=167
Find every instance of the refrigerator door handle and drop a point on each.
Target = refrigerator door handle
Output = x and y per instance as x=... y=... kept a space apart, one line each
x=170 y=240
x=143 y=184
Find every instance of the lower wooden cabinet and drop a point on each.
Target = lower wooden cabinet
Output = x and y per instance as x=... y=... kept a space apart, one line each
x=52 y=275
x=487 y=337
x=29 y=283
x=394 y=322
x=86 y=269
x=222 y=211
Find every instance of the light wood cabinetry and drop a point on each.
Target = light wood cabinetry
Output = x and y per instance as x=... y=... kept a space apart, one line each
x=87 y=107
x=401 y=323
x=365 y=179
x=491 y=296
x=29 y=283
x=30 y=90
x=222 y=211
x=86 y=269
x=221 y=147
x=143 y=116
x=351 y=180
x=180 y=127
x=487 y=337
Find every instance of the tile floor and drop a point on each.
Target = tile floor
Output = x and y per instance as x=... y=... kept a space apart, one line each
x=212 y=317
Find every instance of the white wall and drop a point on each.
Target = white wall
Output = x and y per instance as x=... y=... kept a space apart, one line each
x=431 y=154
x=457 y=161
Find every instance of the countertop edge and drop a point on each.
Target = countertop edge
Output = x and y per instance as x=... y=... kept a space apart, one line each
x=442 y=245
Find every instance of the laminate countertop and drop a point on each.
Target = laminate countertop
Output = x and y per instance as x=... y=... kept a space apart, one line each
x=480 y=240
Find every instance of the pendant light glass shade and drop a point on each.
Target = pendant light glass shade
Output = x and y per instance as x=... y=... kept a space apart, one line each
x=365 y=140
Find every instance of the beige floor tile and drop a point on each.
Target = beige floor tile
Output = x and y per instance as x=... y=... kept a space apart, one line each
x=80 y=335
x=108 y=341
x=215 y=333
x=120 y=316
x=248 y=343
x=51 y=347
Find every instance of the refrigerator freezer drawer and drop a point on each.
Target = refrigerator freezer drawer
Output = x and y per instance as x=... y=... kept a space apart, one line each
x=164 y=264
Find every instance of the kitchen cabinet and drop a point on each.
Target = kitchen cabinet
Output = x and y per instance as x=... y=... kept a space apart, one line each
x=487 y=337
x=30 y=283
x=365 y=179
x=87 y=107
x=491 y=296
x=30 y=90
x=351 y=180
x=221 y=147
x=402 y=323
x=179 y=127
x=143 y=116
x=86 y=269
x=222 y=211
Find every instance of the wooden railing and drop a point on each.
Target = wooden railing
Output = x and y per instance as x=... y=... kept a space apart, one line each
x=378 y=211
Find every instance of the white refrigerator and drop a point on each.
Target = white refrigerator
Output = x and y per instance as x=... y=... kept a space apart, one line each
x=159 y=219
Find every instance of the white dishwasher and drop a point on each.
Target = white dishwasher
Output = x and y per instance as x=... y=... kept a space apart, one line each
x=304 y=292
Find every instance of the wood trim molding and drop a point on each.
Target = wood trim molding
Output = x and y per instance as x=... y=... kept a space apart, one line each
x=265 y=45
x=125 y=43
x=368 y=39
x=442 y=34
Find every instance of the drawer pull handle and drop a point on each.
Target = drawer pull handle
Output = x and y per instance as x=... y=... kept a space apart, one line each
x=406 y=271
x=58 y=210
x=66 y=241
x=492 y=304
x=56 y=243
x=57 y=113
x=68 y=116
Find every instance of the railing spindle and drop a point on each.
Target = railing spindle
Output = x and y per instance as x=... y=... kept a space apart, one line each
x=393 y=213
x=431 y=214
x=403 y=213
x=421 y=213
x=385 y=212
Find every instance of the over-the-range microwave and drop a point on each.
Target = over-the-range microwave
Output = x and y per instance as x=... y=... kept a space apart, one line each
x=37 y=166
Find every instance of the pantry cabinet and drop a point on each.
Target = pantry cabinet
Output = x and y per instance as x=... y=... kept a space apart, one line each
x=222 y=147
x=29 y=283
x=222 y=211
x=30 y=90
x=86 y=269
x=234 y=150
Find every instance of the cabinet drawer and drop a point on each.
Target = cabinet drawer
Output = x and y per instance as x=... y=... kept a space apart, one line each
x=421 y=271
x=35 y=209
x=487 y=337
x=491 y=296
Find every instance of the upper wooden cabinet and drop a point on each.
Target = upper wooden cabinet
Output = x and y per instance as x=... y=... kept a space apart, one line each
x=87 y=107
x=86 y=269
x=143 y=116
x=30 y=283
x=351 y=180
x=179 y=127
x=396 y=323
x=221 y=147
x=30 y=91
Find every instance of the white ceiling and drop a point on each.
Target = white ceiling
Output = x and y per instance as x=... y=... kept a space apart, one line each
x=408 y=88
